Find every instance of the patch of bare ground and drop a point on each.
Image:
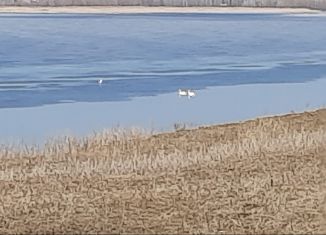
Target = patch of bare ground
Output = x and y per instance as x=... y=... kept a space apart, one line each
x=263 y=176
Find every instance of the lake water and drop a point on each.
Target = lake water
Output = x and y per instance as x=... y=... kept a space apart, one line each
x=241 y=65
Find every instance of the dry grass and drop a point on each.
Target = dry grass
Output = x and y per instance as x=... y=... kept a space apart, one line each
x=260 y=176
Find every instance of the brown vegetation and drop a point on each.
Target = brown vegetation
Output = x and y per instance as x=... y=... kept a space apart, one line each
x=260 y=176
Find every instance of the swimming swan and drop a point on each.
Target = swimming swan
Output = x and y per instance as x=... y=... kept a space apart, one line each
x=191 y=93
x=182 y=92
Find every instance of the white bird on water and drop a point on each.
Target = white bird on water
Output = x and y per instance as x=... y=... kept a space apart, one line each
x=100 y=81
x=182 y=92
x=191 y=93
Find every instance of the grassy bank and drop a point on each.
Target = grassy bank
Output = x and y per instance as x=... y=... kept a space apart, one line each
x=260 y=176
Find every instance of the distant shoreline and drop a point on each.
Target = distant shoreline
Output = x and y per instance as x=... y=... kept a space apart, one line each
x=139 y=9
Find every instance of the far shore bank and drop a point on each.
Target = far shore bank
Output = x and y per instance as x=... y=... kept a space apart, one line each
x=140 y=9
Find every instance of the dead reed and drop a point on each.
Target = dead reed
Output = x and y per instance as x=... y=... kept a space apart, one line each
x=259 y=176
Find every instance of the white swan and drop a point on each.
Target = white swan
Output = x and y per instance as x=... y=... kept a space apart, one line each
x=99 y=81
x=182 y=92
x=191 y=93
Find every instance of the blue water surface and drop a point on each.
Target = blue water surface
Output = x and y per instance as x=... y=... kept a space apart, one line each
x=50 y=59
x=53 y=58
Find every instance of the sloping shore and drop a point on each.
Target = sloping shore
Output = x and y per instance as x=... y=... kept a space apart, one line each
x=260 y=176
x=140 y=9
